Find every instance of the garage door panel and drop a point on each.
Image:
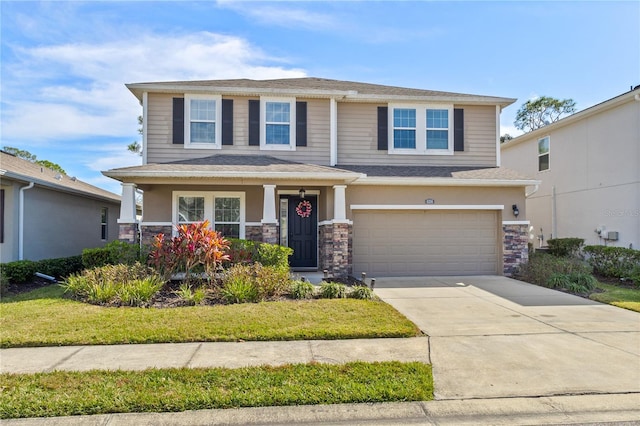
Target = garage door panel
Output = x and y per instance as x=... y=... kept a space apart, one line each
x=425 y=242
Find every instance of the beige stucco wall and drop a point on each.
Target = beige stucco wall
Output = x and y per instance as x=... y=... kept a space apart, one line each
x=595 y=169
x=357 y=136
x=9 y=247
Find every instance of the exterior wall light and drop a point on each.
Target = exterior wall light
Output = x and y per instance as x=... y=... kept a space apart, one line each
x=302 y=192
x=516 y=212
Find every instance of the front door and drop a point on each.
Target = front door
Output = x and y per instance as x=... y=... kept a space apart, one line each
x=299 y=229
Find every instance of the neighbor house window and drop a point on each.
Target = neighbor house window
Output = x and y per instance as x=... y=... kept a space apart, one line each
x=543 y=154
x=421 y=129
x=225 y=211
x=104 y=221
x=278 y=122
x=203 y=116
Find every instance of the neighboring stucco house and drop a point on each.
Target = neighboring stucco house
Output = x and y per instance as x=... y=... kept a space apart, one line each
x=354 y=177
x=45 y=214
x=589 y=166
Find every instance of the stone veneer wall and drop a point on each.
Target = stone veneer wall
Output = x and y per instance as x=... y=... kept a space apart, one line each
x=128 y=232
x=270 y=233
x=253 y=233
x=335 y=248
x=515 y=247
x=148 y=232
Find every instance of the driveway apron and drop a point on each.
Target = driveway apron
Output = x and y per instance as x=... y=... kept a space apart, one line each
x=493 y=336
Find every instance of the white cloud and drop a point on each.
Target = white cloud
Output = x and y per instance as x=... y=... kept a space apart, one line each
x=96 y=103
x=283 y=15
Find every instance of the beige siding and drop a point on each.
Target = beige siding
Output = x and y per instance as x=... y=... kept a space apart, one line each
x=161 y=149
x=594 y=170
x=358 y=139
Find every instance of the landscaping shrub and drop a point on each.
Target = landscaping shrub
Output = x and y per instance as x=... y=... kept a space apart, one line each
x=616 y=262
x=301 y=289
x=19 y=271
x=190 y=296
x=60 y=267
x=4 y=284
x=565 y=247
x=241 y=251
x=130 y=285
x=113 y=253
x=195 y=249
x=542 y=266
x=239 y=285
x=274 y=255
x=333 y=290
x=362 y=292
x=575 y=282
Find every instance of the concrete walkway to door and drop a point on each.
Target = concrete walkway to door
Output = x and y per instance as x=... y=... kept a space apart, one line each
x=493 y=337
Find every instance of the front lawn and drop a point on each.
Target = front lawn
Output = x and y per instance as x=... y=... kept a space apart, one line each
x=44 y=317
x=623 y=297
x=99 y=392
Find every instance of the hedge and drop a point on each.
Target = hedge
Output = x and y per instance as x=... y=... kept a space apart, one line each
x=247 y=251
x=114 y=253
x=565 y=247
x=22 y=271
x=616 y=262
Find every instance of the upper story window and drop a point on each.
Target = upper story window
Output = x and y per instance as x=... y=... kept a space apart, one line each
x=277 y=121
x=203 y=116
x=543 y=154
x=421 y=129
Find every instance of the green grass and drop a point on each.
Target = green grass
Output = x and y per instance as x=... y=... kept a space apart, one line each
x=99 y=392
x=623 y=297
x=44 y=317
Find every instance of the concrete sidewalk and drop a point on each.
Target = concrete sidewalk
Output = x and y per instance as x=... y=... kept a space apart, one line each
x=209 y=355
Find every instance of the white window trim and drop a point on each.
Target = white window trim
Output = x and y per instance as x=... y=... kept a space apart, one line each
x=548 y=153
x=292 y=124
x=187 y=122
x=421 y=130
x=209 y=200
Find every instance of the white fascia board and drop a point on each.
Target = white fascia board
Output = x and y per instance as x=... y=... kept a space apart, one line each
x=516 y=222
x=426 y=207
x=462 y=100
x=417 y=181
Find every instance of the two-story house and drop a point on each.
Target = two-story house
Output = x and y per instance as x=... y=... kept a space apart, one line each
x=354 y=177
x=589 y=167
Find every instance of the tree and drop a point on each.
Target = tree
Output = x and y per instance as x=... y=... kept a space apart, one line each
x=505 y=138
x=135 y=146
x=26 y=155
x=540 y=112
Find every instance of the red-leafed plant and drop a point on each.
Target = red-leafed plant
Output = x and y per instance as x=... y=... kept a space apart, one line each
x=196 y=249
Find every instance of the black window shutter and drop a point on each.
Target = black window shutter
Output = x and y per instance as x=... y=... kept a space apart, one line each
x=383 y=128
x=301 y=124
x=458 y=129
x=227 y=122
x=178 y=120
x=254 y=123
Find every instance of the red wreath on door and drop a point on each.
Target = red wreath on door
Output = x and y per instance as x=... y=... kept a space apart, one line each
x=304 y=209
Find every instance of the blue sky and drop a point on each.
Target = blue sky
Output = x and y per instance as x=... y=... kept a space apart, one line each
x=64 y=64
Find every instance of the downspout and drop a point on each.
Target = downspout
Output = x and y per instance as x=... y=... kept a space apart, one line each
x=554 y=223
x=21 y=220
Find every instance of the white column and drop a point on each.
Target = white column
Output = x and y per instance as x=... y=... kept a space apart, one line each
x=339 y=204
x=333 y=132
x=269 y=204
x=128 y=204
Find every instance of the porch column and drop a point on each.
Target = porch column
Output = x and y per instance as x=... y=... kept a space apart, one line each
x=127 y=221
x=269 y=221
x=339 y=204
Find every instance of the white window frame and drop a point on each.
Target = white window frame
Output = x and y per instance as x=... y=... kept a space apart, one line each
x=209 y=205
x=292 y=124
x=548 y=153
x=187 y=122
x=421 y=130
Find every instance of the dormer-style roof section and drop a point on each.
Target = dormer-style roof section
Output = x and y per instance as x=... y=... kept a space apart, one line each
x=17 y=169
x=312 y=87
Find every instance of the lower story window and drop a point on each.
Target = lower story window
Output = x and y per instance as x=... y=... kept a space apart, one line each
x=224 y=210
x=104 y=220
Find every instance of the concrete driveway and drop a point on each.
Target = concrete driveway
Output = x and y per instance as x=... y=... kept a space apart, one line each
x=493 y=337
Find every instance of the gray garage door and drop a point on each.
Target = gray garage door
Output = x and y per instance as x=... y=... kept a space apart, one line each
x=433 y=242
